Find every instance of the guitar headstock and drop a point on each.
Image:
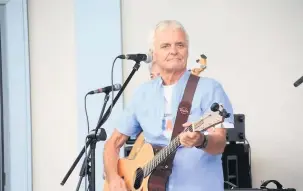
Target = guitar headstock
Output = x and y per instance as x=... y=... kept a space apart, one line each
x=202 y=61
x=216 y=116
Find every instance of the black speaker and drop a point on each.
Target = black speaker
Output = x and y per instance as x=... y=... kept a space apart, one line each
x=236 y=165
x=127 y=150
x=129 y=145
x=237 y=134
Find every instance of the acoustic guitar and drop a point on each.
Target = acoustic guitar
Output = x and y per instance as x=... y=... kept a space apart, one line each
x=136 y=146
x=136 y=171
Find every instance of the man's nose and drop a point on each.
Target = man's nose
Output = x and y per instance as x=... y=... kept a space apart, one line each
x=174 y=50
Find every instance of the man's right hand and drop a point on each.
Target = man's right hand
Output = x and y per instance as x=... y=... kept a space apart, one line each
x=111 y=158
x=117 y=184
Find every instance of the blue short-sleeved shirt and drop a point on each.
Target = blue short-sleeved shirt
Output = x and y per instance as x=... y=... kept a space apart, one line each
x=193 y=169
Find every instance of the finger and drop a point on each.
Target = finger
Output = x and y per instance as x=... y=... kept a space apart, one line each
x=123 y=186
x=191 y=135
x=187 y=134
x=186 y=124
x=196 y=135
x=185 y=141
x=187 y=144
x=189 y=138
x=184 y=137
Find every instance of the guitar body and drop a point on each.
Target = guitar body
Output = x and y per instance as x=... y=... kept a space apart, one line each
x=137 y=146
x=135 y=149
x=128 y=169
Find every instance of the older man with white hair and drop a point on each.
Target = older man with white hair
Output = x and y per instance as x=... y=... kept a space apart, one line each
x=197 y=164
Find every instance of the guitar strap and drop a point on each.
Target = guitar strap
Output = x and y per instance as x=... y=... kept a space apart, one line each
x=159 y=178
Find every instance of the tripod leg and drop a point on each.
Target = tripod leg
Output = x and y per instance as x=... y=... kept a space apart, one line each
x=79 y=183
x=84 y=169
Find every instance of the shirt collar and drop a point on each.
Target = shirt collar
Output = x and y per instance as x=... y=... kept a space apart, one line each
x=183 y=78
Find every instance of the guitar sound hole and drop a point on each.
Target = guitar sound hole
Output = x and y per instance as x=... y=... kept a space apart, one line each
x=138 y=178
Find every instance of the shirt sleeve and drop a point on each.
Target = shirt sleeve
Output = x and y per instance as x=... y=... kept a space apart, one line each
x=129 y=125
x=226 y=125
x=218 y=95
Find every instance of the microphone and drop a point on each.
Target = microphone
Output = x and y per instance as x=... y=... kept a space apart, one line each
x=106 y=89
x=298 y=82
x=137 y=57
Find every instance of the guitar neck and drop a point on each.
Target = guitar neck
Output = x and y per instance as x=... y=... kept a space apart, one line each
x=163 y=154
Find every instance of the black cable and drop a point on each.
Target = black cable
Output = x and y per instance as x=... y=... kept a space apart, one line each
x=86 y=163
x=112 y=83
x=112 y=100
x=249 y=152
x=85 y=158
x=107 y=113
x=87 y=121
x=231 y=184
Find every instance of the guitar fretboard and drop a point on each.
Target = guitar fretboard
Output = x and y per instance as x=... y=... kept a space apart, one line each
x=163 y=154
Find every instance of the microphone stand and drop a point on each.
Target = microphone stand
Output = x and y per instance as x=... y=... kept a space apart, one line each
x=86 y=169
x=95 y=137
x=106 y=115
x=298 y=82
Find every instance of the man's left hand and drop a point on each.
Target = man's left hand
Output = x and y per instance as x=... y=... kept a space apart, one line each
x=191 y=139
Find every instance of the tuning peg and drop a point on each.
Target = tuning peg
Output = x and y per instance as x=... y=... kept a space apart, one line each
x=225 y=114
x=215 y=107
x=203 y=56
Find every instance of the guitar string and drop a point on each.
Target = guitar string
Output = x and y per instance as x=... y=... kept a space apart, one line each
x=150 y=166
x=160 y=154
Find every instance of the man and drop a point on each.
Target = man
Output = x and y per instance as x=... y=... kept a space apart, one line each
x=154 y=109
x=154 y=70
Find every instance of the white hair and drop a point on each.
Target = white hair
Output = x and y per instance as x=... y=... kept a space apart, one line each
x=163 y=25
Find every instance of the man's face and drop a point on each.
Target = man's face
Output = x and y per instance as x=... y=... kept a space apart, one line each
x=155 y=71
x=170 y=49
